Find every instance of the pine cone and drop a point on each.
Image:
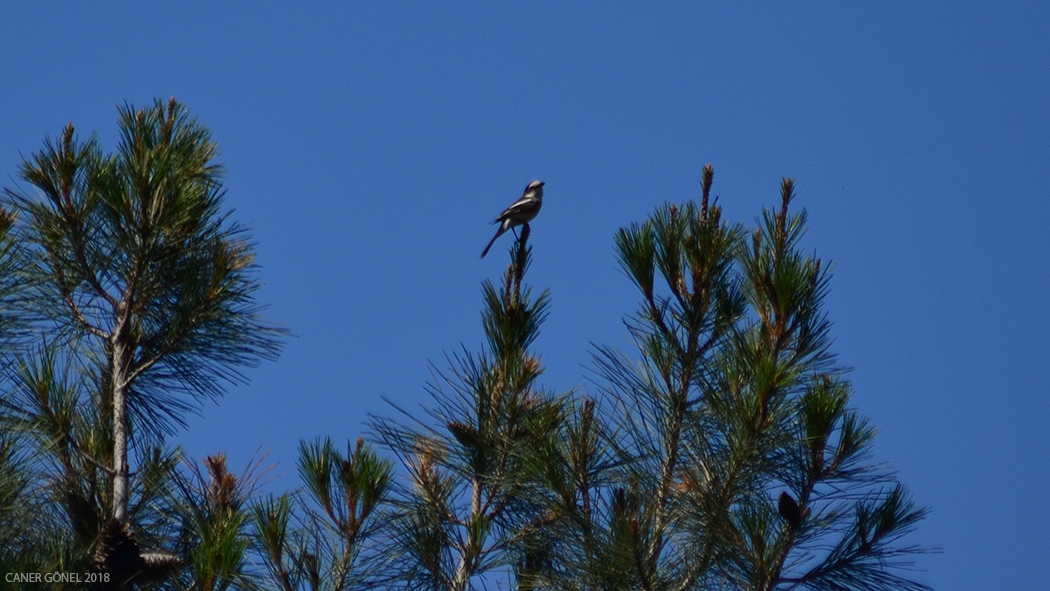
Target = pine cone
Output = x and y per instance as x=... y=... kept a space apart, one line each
x=464 y=434
x=158 y=566
x=789 y=510
x=117 y=554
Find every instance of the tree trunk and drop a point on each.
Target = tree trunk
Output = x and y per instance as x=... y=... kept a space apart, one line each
x=120 y=361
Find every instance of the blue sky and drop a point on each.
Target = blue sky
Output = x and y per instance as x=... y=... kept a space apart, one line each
x=369 y=147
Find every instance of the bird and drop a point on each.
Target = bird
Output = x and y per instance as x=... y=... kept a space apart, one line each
x=520 y=212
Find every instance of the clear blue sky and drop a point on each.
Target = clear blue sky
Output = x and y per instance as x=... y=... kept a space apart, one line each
x=369 y=147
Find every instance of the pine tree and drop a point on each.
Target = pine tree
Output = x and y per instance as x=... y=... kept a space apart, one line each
x=323 y=536
x=465 y=511
x=723 y=455
x=727 y=456
x=141 y=292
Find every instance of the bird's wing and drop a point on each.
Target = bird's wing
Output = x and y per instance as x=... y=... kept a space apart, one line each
x=523 y=204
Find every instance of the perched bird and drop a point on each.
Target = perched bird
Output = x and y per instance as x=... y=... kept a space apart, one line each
x=520 y=212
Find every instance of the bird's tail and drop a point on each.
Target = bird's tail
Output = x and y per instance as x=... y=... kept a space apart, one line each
x=499 y=233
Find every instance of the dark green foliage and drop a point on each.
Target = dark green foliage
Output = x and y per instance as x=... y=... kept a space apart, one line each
x=135 y=243
x=734 y=400
x=722 y=454
x=126 y=299
x=467 y=505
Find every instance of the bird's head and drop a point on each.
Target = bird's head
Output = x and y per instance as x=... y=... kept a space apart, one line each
x=535 y=186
